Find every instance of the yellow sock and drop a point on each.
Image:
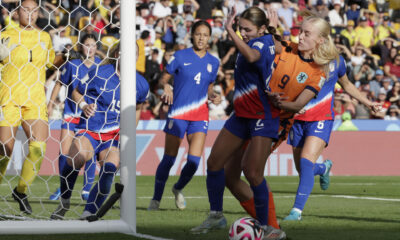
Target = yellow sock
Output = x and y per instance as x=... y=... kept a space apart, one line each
x=31 y=165
x=4 y=160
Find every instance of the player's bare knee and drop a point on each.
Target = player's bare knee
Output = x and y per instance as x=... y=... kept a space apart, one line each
x=77 y=161
x=253 y=176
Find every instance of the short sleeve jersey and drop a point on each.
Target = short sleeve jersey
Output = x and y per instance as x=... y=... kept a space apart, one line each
x=24 y=72
x=102 y=87
x=142 y=89
x=71 y=73
x=250 y=100
x=293 y=74
x=321 y=107
x=192 y=77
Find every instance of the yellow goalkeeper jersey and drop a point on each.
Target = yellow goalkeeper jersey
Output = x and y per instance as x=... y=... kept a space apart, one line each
x=23 y=74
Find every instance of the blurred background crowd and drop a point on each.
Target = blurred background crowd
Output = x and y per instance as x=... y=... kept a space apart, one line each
x=366 y=32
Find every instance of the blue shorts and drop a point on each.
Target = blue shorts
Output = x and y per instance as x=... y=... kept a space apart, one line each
x=98 y=145
x=246 y=128
x=179 y=127
x=301 y=129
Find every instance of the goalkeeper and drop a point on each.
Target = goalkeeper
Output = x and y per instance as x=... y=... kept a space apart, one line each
x=25 y=52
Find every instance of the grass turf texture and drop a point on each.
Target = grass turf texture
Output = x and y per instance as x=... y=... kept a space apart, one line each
x=328 y=214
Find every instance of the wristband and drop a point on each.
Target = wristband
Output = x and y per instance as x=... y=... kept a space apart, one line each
x=82 y=104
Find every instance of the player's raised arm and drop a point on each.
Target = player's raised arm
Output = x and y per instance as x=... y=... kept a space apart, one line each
x=250 y=54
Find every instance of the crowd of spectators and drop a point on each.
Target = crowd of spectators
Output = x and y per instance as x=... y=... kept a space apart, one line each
x=366 y=32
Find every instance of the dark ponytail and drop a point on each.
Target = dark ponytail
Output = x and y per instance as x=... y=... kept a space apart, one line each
x=278 y=37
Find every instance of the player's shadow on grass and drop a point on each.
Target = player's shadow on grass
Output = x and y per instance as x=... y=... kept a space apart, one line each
x=372 y=220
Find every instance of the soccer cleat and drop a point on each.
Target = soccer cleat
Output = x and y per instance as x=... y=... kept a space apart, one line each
x=60 y=211
x=271 y=233
x=22 y=200
x=85 y=195
x=293 y=216
x=213 y=221
x=85 y=215
x=179 y=198
x=324 y=179
x=154 y=205
x=56 y=195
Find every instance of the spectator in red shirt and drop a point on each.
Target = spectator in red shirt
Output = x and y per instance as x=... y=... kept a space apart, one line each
x=393 y=69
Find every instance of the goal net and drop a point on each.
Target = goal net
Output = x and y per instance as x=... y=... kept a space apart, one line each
x=36 y=34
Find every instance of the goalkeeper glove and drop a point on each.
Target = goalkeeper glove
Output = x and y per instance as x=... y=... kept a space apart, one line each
x=4 y=49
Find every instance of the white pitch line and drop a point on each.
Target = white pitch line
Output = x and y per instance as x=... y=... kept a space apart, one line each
x=293 y=196
x=145 y=236
x=367 y=198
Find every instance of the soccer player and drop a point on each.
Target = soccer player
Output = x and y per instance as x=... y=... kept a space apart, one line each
x=98 y=96
x=311 y=131
x=314 y=51
x=71 y=73
x=254 y=119
x=194 y=71
x=25 y=53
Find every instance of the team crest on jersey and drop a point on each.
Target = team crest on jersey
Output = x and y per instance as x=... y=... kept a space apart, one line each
x=209 y=68
x=260 y=45
x=321 y=82
x=84 y=79
x=43 y=45
x=302 y=77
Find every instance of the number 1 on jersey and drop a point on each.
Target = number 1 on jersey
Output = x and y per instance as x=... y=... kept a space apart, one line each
x=197 y=78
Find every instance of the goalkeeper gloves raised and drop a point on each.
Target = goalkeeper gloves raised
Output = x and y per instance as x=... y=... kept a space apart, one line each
x=4 y=49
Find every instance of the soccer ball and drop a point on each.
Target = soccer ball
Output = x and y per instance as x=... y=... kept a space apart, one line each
x=246 y=229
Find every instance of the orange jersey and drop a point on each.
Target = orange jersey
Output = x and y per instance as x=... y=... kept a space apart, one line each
x=293 y=74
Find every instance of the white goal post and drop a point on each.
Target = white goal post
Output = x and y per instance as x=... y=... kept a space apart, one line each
x=127 y=223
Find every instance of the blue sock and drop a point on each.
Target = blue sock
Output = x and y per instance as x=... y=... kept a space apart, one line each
x=62 y=161
x=319 y=169
x=101 y=190
x=188 y=171
x=215 y=188
x=68 y=179
x=89 y=175
x=162 y=175
x=306 y=183
x=261 y=198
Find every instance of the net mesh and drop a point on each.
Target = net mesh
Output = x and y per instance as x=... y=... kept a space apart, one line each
x=29 y=77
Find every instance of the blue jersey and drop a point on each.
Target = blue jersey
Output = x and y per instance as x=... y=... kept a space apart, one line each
x=250 y=100
x=101 y=87
x=192 y=77
x=142 y=89
x=71 y=73
x=321 y=107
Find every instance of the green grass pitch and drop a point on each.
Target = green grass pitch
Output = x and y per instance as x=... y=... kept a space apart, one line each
x=352 y=208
